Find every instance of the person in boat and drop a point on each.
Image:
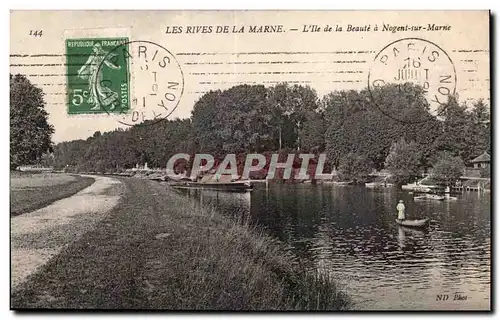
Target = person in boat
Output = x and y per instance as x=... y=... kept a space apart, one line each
x=401 y=210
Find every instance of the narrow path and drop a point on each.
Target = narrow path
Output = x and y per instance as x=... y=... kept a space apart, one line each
x=39 y=235
x=103 y=268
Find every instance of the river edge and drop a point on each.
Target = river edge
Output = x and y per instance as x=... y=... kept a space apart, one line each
x=158 y=250
x=259 y=261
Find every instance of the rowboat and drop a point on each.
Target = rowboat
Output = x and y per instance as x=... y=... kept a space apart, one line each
x=429 y=197
x=435 y=197
x=413 y=223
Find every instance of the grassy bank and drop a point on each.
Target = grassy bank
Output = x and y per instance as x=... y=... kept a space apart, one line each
x=160 y=250
x=31 y=191
x=224 y=264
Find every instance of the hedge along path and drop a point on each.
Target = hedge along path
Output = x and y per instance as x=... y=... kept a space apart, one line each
x=39 y=235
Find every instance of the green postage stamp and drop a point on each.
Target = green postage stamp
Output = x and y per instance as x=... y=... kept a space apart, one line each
x=98 y=77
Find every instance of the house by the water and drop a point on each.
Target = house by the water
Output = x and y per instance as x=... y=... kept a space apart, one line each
x=482 y=161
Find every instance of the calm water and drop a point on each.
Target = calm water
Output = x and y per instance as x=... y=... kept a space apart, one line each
x=350 y=232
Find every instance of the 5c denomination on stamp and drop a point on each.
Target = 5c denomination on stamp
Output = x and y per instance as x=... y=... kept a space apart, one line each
x=87 y=90
x=158 y=82
x=418 y=62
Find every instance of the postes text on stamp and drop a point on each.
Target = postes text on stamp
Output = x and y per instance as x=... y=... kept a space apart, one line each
x=98 y=81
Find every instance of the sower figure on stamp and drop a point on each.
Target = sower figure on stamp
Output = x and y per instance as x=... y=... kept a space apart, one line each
x=91 y=71
x=401 y=210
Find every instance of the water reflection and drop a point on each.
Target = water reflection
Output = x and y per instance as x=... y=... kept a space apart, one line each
x=351 y=233
x=236 y=204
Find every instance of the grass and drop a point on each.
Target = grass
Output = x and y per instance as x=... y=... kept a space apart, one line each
x=160 y=250
x=229 y=265
x=31 y=191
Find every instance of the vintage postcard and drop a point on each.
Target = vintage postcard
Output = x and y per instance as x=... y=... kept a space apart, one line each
x=250 y=160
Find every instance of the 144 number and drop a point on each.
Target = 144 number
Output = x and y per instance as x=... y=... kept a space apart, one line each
x=36 y=33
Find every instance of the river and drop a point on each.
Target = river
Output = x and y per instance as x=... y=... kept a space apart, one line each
x=350 y=232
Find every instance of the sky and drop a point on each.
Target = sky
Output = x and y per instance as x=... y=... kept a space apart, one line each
x=305 y=48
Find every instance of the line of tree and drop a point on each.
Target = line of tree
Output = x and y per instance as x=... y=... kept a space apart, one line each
x=346 y=125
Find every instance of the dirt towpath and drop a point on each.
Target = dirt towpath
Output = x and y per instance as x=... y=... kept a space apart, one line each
x=39 y=235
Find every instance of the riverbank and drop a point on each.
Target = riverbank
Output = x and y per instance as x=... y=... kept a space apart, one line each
x=32 y=191
x=159 y=250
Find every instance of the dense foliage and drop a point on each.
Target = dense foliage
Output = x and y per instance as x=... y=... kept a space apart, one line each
x=30 y=133
x=447 y=169
x=357 y=135
x=355 y=167
x=404 y=161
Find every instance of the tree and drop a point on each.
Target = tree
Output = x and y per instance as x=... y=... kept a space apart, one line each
x=312 y=133
x=403 y=161
x=478 y=131
x=447 y=169
x=485 y=172
x=354 y=167
x=339 y=107
x=357 y=134
x=244 y=119
x=205 y=122
x=290 y=106
x=465 y=132
x=47 y=160
x=454 y=134
x=355 y=123
x=481 y=112
x=30 y=132
x=232 y=121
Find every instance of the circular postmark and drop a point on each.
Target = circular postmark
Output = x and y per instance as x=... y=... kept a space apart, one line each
x=416 y=68
x=151 y=94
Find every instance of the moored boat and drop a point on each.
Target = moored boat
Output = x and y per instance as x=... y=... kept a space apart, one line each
x=215 y=182
x=435 y=197
x=342 y=183
x=418 y=187
x=413 y=223
x=378 y=185
x=236 y=186
x=422 y=189
x=429 y=197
